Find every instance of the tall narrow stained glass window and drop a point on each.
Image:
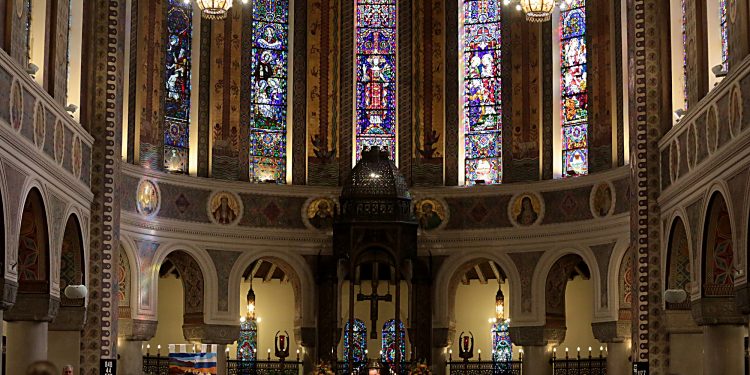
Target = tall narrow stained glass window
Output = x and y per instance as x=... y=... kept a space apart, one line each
x=268 y=98
x=573 y=88
x=684 y=54
x=177 y=84
x=389 y=341
x=502 y=348
x=483 y=111
x=724 y=20
x=355 y=342
x=376 y=75
x=247 y=345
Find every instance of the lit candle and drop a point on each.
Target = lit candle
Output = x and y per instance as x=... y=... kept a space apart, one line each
x=158 y=350
x=589 y=352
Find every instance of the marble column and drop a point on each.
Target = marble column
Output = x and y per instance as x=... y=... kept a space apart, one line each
x=439 y=361
x=723 y=351
x=221 y=358
x=27 y=343
x=130 y=354
x=618 y=362
x=536 y=360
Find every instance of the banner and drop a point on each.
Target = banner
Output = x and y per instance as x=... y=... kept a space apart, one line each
x=192 y=363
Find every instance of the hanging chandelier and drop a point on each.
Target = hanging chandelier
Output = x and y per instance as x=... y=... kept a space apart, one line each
x=538 y=10
x=214 y=9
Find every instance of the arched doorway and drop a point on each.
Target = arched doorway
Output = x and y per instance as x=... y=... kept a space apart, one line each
x=718 y=250
x=65 y=329
x=569 y=304
x=481 y=311
x=28 y=319
x=268 y=310
x=181 y=294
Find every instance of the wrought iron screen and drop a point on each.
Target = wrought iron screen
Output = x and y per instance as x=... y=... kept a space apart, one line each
x=485 y=368
x=583 y=366
x=235 y=367
x=362 y=368
x=156 y=365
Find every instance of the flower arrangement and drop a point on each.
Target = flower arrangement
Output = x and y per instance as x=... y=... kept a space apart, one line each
x=420 y=369
x=323 y=368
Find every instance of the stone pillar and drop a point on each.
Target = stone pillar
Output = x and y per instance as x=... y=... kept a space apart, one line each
x=441 y=341
x=64 y=348
x=306 y=340
x=617 y=336
x=618 y=362
x=221 y=358
x=537 y=343
x=130 y=354
x=723 y=351
x=132 y=334
x=536 y=360
x=27 y=343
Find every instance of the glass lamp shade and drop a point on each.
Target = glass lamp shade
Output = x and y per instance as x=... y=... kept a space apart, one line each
x=214 y=9
x=538 y=10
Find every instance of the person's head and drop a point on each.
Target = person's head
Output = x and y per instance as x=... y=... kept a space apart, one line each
x=41 y=368
x=67 y=370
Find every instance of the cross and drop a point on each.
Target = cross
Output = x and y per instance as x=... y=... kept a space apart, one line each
x=374 y=298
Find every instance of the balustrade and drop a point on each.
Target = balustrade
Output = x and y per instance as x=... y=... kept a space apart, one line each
x=485 y=368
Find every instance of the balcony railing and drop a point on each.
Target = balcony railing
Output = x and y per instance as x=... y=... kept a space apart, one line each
x=363 y=368
x=583 y=366
x=235 y=367
x=156 y=365
x=485 y=368
x=159 y=365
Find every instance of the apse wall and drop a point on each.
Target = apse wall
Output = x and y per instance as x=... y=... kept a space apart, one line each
x=523 y=227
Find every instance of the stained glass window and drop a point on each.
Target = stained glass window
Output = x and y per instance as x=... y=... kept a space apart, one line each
x=502 y=348
x=684 y=54
x=483 y=110
x=177 y=85
x=268 y=96
x=376 y=75
x=355 y=342
x=389 y=341
x=573 y=89
x=724 y=34
x=247 y=345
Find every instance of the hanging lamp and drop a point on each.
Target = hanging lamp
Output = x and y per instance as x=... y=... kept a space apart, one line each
x=214 y=9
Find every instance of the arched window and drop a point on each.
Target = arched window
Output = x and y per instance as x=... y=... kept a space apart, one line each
x=177 y=85
x=483 y=113
x=247 y=345
x=389 y=341
x=376 y=76
x=355 y=342
x=573 y=89
x=268 y=114
x=502 y=348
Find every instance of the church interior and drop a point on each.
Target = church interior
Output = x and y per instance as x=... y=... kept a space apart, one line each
x=375 y=187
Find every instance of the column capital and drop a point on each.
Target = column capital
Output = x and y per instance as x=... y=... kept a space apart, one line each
x=537 y=335
x=306 y=336
x=615 y=331
x=136 y=329
x=8 y=291
x=742 y=295
x=442 y=337
x=211 y=333
x=717 y=310
x=69 y=318
x=33 y=307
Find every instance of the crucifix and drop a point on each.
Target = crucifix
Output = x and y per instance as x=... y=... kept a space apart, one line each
x=374 y=299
